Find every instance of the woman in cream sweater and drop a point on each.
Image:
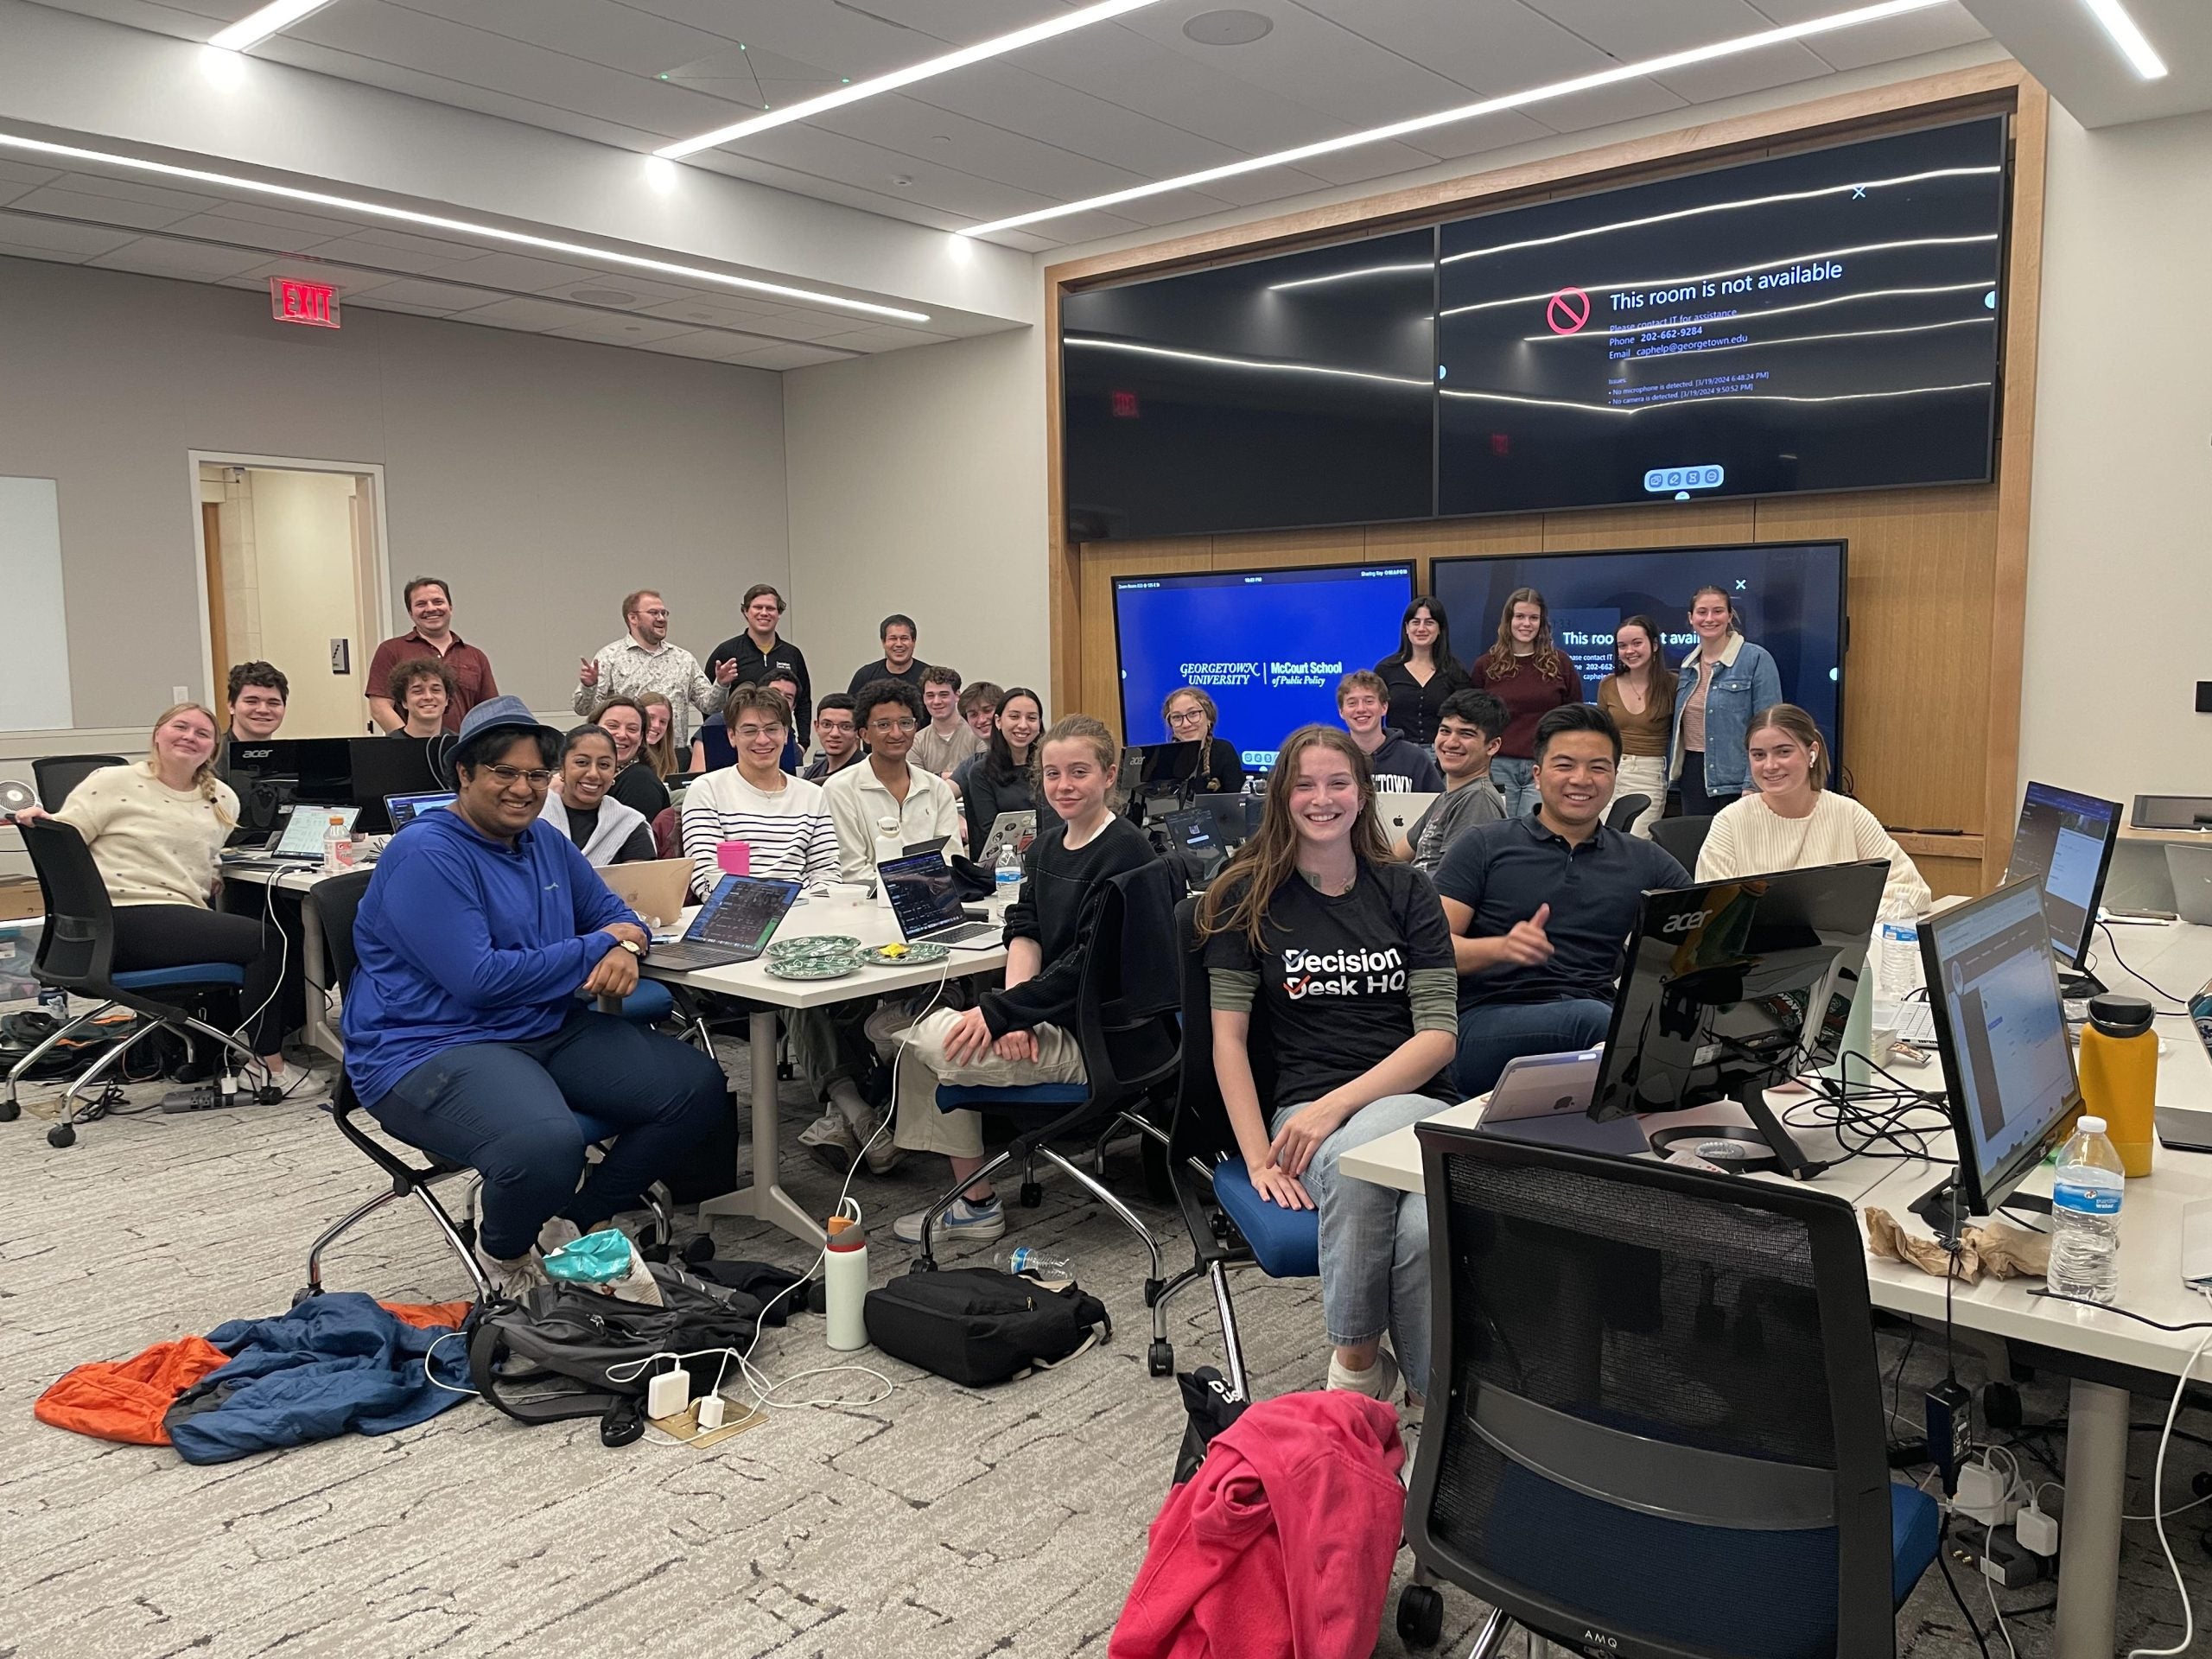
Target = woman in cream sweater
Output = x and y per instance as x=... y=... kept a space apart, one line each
x=153 y=829
x=1794 y=823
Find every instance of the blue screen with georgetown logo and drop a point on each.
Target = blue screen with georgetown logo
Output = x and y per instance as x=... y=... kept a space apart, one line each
x=1268 y=646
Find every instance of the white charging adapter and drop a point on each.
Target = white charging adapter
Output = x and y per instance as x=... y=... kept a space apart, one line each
x=1984 y=1495
x=668 y=1393
x=711 y=1407
x=2037 y=1531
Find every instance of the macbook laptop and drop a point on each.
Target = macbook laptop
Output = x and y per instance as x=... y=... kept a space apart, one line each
x=655 y=888
x=735 y=924
x=1019 y=827
x=403 y=809
x=1401 y=813
x=927 y=905
x=1546 y=1098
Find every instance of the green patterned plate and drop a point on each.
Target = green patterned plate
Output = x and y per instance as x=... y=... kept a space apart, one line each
x=812 y=967
x=908 y=956
x=813 y=944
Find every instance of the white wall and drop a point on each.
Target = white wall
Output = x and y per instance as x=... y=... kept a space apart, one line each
x=2122 y=511
x=544 y=478
x=917 y=482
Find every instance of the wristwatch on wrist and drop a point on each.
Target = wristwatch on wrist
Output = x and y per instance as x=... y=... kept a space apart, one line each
x=633 y=948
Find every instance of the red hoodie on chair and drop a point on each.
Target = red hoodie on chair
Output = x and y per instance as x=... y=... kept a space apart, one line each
x=1282 y=1544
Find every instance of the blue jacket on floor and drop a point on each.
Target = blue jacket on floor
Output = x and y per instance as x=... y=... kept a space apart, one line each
x=335 y=1362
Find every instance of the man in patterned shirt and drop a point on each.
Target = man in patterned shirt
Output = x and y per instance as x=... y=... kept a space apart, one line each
x=643 y=660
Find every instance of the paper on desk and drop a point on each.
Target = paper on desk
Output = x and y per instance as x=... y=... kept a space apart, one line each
x=2002 y=1252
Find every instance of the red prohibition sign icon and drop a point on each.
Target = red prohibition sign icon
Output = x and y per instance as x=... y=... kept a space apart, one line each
x=1569 y=310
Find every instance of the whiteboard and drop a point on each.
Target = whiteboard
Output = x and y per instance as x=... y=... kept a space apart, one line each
x=35 y=692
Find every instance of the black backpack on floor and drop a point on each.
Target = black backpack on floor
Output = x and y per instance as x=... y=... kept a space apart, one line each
x=978 y=1325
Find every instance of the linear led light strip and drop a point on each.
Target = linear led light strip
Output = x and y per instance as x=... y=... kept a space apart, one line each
x=2141 y=56
x=257 y=27
x=1738 y=271
x=906 y=77
x=1812 y=26
x=493 y=232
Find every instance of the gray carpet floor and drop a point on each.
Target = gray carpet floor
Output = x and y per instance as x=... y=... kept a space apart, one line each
x=945 y=1521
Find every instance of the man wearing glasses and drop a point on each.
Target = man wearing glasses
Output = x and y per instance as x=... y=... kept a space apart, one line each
x=884 y=797
x=470 y=1029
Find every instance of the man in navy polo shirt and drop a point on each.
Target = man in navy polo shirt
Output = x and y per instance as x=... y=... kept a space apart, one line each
x=1541 y=906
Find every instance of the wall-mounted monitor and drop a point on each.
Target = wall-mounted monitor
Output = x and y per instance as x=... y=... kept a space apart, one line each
x=1268 y=646
x=1789 y=597
x=1290 y=391
x=1825 y=320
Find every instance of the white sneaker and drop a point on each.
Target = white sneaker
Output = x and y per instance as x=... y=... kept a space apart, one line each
x=1378 y=1382
x=883 y=1153
x=511 y=1279
x=831 y=1138
x=557 y=1233
x=964 y=1222
x=297 y=1084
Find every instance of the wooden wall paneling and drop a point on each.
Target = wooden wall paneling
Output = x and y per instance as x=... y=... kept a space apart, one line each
x=1454 y=538
x=1098 y=689
x=1946 y=876
x=1264 y=549
x=1662 y=524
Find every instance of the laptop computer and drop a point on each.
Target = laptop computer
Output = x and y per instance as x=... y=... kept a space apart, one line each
x=1401 y=813
x=403 y=809
x=300 y=841
x=735 y=924
x=656 y=888
x=1545 y=1098
x=927 y=905
x=1019 y=827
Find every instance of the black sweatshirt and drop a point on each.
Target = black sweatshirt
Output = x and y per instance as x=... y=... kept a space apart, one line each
x=1055 y=882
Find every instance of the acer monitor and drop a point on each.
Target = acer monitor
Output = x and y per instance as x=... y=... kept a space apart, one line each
x=1731 y=988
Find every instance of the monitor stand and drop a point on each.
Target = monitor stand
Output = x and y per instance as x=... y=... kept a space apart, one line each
x=1767 y=1134
x=2075 y=986
x=1942 y=1207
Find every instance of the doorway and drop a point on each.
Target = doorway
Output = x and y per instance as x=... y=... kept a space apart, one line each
x=292 y=572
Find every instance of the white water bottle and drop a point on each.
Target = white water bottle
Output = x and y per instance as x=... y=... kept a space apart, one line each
x=2084 y=1215
x=337 y=846
x=844 y=1284
x=1007 y=888
x=1897 y=970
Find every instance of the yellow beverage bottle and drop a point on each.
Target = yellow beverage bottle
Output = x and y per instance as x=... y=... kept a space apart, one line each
x=2119 y=1076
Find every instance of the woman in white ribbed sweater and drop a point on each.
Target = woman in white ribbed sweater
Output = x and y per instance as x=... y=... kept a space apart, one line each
x=1794 y=822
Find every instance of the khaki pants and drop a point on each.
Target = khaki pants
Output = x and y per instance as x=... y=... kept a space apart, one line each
x=921 y=1127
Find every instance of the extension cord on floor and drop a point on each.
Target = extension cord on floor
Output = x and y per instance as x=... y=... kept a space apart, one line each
x=1984 y=1497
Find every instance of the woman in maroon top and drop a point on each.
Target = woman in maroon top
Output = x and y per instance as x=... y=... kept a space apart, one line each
x=1531 y=677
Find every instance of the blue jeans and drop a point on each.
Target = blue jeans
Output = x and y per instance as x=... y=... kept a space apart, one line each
x=1374 y=1240
x=1517 y=781
x=1491 y=1033
x=509 y=1111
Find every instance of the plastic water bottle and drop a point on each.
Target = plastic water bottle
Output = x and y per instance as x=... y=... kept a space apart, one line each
x=1035 y=1263
x=1008 y=887
x=1899 y=972
x=2084 y=1215
x=337 y=846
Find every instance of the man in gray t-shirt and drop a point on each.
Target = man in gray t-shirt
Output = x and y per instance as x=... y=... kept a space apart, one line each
x=1468 y=729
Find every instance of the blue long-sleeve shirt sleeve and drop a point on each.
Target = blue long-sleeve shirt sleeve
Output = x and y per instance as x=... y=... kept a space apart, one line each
x=440 y=925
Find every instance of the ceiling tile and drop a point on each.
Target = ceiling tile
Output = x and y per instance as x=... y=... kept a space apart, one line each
x=1490 y=47
x=153 y=257
x=375 y=249
x=427 y=296
x=87 y=182
x=533 y=317
x=105 y=210
x=18 y=176
x=882 y=339
x=303 y=228
x=347 y=279
x=789 y=357
x=1628 y=33
x=618 y=331
x=517 y=271
x=1934 y=30
x=50 y=235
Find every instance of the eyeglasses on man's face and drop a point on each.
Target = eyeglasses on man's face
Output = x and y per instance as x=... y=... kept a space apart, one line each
x=538 y=778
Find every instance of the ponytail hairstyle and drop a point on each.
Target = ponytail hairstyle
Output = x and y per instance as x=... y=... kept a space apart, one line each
x=1239 y=897
x=1789 y=718
x=1499 y=663
x=203 y=777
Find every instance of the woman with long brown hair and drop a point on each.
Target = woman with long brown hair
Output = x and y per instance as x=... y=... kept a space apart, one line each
x=1725 y=682
x=1639 y=694
x=659 y=751
x=1348 y=957
x=1531 y=675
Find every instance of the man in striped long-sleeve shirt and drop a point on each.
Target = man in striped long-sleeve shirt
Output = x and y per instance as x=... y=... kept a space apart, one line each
x=781 y=819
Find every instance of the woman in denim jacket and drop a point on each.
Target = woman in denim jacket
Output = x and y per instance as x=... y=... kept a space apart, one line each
x=1725 y=682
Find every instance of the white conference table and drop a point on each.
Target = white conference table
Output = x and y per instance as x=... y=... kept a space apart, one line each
x=2096 y=1348
x=765 y=1199
x=314 y=961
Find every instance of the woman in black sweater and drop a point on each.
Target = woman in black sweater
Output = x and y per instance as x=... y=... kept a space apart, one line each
x=1421 y=673
x=1024 y=1034
x=1217 y=768
x=1005 y=776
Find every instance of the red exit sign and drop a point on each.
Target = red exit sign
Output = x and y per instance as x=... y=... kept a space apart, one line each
x=314 y=304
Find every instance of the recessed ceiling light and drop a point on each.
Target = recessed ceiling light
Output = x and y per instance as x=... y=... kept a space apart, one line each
x=1231 y=28
x=1741 y=43
x=466 y=227
x=848 y=93
x=602 y=297
x=2142 y=57
x=258 y=26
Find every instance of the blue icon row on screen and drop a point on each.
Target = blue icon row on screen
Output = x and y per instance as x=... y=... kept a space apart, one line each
x=1683 y=477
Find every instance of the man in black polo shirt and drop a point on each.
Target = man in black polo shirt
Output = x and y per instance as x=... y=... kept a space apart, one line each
x=760 y=651
x=1541 y=906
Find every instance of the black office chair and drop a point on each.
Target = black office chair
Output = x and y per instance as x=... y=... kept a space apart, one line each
x=57 y=774
x=1623 y=812
x=1230 y=1223
x=76 y=954
x=1654 y=1421
x=1683 y=837
x=1128 y=1049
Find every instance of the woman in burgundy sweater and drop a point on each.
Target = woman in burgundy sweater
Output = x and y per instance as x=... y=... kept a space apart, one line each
x=1531 y=677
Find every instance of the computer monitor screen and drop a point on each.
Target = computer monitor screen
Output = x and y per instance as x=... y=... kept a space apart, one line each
x=2065 y=841
x=1736 y=983
x=318 y=769
x=382 y=766
x=403 y=809
x=2001 y=1032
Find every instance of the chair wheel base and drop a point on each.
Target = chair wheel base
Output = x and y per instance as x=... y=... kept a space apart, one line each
x=1159 y=1358
x=700 y=1246
x=10 y=1111
x=1033 y=1195
x=923 y=1264
x=1421 y=1616
x=61 y=1135
x=306 y=1294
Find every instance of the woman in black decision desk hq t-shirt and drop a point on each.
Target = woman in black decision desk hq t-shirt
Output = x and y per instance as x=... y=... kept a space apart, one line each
x=1348 y=955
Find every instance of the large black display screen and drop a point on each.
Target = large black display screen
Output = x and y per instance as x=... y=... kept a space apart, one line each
x=1820 y=321
x=1790 y=598
x=1292 y=390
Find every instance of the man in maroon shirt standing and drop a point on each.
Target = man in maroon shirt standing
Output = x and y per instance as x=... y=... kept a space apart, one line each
x=430 y=602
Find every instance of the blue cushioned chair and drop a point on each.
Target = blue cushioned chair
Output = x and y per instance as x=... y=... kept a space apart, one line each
x=1230 y=1223
x=1128 y=1049
x=76 y=954
x=1654 y=1422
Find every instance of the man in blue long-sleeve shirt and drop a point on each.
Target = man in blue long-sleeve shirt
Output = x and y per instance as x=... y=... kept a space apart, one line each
x=464 y=1033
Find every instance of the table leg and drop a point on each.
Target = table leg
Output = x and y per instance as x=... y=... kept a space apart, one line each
x=765 y=1200
x=2088 y=1567
x=313 y=965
